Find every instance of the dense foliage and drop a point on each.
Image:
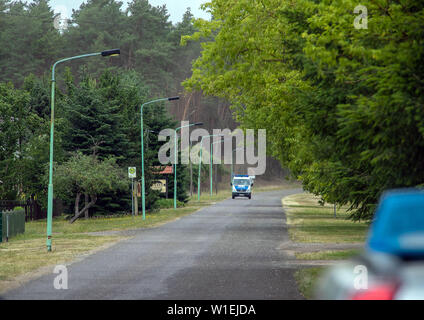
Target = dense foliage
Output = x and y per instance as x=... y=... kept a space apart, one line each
x=344 y=107
x=97 y=99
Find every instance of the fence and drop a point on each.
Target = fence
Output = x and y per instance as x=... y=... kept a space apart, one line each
x=32 y=208
x=11 y=224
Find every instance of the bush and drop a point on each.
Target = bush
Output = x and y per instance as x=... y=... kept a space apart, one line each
x=169 y=203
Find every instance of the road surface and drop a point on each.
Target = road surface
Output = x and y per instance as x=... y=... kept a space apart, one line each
x=226 y=251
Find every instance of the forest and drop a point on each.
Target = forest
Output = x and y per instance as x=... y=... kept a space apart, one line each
x=97 y=126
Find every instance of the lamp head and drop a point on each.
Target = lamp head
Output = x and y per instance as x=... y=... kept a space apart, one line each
x=113 y=52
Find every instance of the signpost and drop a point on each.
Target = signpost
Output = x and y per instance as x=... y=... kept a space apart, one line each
x=160 y=185
x=132 y=174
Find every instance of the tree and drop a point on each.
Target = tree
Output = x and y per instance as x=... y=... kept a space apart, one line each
x=28 y=39
x=344 y=105
x=95 y=120
x=89 y=177
x=13 y=121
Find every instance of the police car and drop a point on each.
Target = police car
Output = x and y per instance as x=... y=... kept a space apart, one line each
x=242 y=186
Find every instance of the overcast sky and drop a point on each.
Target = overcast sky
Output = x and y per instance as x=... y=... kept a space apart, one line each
x=176 y=8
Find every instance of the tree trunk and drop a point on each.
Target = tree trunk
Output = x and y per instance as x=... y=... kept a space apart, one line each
x=77 y=201
x=87 y=206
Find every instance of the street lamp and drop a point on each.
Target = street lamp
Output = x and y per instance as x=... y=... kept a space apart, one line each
x=232 y=163
x=191 y=164
x=143 y=188
x=176 y=156
x=106 y=53
x=200 y=161
x=211 y=165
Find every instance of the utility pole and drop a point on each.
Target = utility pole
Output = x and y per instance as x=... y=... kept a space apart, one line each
x=216 y=180
x=191 y=172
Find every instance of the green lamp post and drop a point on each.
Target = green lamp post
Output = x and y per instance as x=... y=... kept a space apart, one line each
x=211 y=165
x=143 y=185
x=106 y=53
x=176 y=156
x=232 y=163
x=200 y=161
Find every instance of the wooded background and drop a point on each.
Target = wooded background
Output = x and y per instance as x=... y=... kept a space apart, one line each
x=98 y=99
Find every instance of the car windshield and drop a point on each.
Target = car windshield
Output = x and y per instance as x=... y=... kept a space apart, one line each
x=405 y=218
x=241 y=182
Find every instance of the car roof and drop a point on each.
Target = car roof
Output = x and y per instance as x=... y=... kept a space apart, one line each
x=398 y=226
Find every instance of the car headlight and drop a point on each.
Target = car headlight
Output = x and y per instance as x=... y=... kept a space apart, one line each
x=234 y=189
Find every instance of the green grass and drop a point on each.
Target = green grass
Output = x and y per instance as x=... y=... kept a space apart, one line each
x=310 y=222
x=61 y=226
x=327 y=255
x=22 y=256
x=306 y=279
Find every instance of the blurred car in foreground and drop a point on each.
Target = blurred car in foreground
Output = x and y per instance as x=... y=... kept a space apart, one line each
x=392 y=265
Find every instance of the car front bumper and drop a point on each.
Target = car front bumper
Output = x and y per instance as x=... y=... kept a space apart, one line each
x=241 y=194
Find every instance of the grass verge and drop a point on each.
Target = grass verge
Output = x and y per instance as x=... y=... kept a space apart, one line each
x=19 y=258
x=306 y=279
x=310 y=222
x=25 y=255
x=327 y=255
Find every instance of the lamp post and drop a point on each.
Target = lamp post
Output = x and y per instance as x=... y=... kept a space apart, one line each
x=200 y=161
x=232 y=163
x=212 y=163
x=105 y=53
x=148 y=137
x=143 y=184
x=176 y=157
x=191 y=164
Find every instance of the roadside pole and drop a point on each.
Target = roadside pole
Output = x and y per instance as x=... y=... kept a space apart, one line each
x=191 y=172
x=132 y=174
x=132 y=197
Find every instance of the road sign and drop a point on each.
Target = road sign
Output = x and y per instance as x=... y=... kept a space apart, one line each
x=159 y=185
x=132 y=172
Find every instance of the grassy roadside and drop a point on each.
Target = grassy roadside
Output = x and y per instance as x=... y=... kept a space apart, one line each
x=25 y=255
x=327 y=255
x=309 y=222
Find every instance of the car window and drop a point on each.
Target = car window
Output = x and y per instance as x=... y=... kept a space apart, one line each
x=241 y=182
x=405 y=218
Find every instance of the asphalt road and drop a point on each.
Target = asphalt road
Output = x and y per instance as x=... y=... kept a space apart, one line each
x=226 y=251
